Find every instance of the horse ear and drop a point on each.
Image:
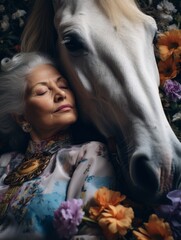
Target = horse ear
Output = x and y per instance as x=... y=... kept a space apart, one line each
x=39 y=33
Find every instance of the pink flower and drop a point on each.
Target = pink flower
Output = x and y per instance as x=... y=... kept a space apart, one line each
x=68 y=217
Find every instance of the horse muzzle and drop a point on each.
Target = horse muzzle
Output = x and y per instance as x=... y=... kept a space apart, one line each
x=143 y=179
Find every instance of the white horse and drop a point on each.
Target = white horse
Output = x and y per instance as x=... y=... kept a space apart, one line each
x=106 y=47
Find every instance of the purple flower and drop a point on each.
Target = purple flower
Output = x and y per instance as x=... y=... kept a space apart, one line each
x=68 y=217
x=172 y=212
x=172 y=89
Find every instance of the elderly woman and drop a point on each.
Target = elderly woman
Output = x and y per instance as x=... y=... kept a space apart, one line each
x=37 y=112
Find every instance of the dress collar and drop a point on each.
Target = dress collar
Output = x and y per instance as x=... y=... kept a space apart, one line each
x=50 y=145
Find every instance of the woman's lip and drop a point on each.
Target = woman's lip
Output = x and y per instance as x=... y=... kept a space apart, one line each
x=64 y=107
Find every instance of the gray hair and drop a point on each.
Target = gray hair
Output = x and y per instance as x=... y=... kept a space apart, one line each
x=12 y=91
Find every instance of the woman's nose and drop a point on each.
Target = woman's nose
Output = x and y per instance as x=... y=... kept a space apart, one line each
x=59 y=95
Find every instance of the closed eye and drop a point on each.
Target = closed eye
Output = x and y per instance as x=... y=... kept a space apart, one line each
x=64 y=87
x=41 y=93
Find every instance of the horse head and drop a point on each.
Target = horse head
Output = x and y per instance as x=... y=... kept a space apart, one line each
x=106 y=48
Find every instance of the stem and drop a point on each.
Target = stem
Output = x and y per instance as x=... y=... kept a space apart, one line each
x=89 y=220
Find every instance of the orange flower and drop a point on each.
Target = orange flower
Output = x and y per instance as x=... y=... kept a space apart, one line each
x=116 y=220
x=103 y=198
x=169 y=43
x=167 y=69
x=155 y=229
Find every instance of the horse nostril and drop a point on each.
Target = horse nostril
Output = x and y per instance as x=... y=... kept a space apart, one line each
x=144 y=175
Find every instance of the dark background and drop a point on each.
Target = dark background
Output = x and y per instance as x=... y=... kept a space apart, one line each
x=11 y=29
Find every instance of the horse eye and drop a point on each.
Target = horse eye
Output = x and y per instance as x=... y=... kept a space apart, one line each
x=74 y=44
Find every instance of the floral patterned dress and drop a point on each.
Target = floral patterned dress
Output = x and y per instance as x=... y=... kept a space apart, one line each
x=73 y=172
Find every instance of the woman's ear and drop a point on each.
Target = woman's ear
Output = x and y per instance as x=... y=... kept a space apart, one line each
x=19 y=118
x=22 y=122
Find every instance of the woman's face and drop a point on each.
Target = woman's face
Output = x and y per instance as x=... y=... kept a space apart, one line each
x=49 y=102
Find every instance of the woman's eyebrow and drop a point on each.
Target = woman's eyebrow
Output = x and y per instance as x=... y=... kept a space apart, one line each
x=46 y=83
x=40 y=83
x=59 y=78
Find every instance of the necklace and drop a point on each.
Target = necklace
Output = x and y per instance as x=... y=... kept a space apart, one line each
x=36 y=162
x=28 y=169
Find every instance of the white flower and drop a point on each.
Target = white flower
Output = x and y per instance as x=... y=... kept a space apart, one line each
x=166 y=10
x=172 y=26
x=21 y=22
x=166 y=17
x=4 y=23
x=176 y=117
x=19 y=13
x=2 y=8
x=167 y=7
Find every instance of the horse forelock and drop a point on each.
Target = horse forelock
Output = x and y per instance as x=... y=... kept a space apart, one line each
x=128 y=8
